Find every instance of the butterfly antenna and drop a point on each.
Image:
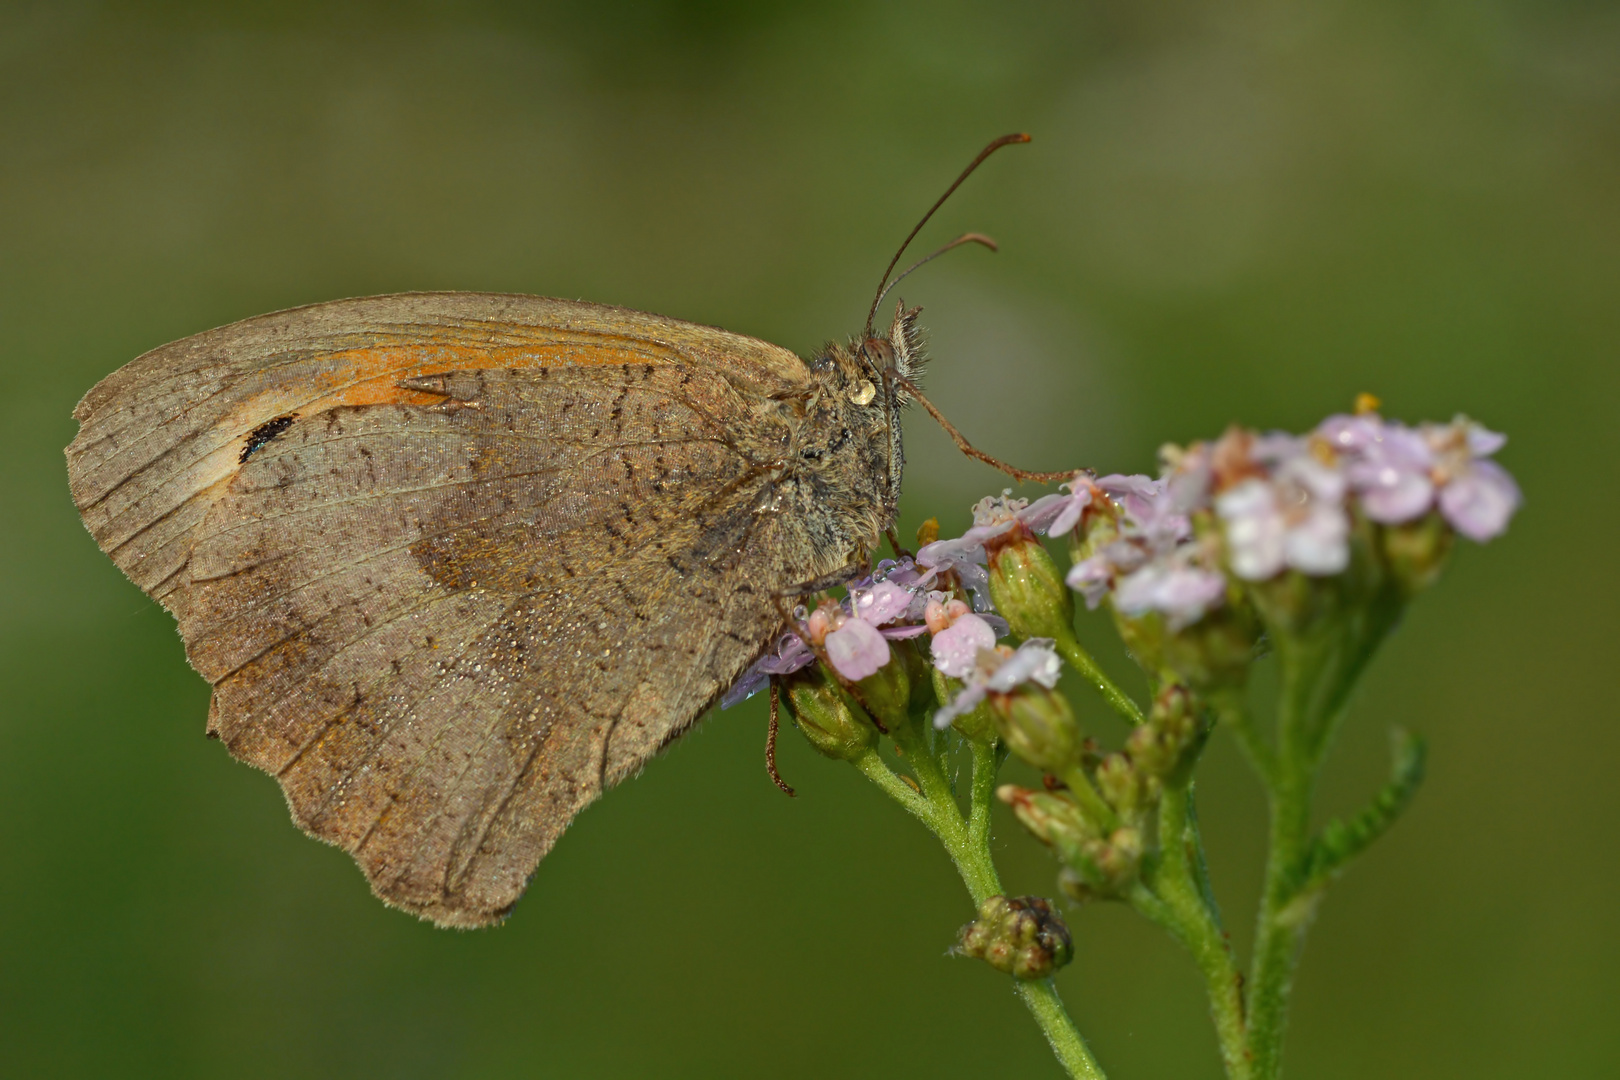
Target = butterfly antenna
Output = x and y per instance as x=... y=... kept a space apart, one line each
x=965 y=238
x=1005 y=140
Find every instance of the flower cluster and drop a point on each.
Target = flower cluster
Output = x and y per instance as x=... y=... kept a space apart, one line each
x=944 y=592
x=1147 y=554
x=999 y=670
x=1256 y=506
x=1184 y=560
x=1401 y=473
x=1306 y=547
x=1020 y=935
x=852 y=636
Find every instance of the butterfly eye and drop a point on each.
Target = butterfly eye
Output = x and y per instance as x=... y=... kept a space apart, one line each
x=863 y=392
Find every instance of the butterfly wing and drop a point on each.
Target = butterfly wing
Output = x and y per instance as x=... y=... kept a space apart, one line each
x=453 y=563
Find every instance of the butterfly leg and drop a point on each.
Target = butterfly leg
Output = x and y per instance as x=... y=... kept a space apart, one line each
x=894 y=542
x=770 y=746
x=858 y=568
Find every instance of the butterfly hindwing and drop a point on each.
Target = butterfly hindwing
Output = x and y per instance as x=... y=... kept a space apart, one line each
x=447 y=602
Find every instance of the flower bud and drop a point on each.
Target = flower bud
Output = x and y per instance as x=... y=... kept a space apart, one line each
x=1051 y=816
x=1104 y=869
x=1217 y=652
x=977 y=724
x=1297 y=605
x=1415 y=552
x=886 y=693
x=1126 y=789
x=1074 y=886
x=1020 y=935
x=821 y=711
x=1039 y=726
x=1120 y=857
x=1105 y=861
x=1027 y=587
x=1161 y=747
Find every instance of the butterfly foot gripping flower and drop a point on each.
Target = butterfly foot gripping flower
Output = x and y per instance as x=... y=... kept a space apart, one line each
x=1019 y=935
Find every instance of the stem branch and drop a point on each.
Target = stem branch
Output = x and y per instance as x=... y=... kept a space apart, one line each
x=1178 y=899
x=967 y=841
x=1071 y=649
x=1040 y=996
x=1285 y=909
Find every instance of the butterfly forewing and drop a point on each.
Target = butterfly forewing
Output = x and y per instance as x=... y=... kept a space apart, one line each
x=454 y=563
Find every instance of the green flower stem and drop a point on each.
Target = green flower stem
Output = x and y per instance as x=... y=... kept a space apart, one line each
x=1098 y=812
x=1284 y=910
x=1040 y=996
x=1180 y=902
x=1359 y=643
x=1069 y=647
x=1319 y=672
x=1234 y=715
x=987 y=760
x=967 y=841
x=1284 y=915
x=875 y=769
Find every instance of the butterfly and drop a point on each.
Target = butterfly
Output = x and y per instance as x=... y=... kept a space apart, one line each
x=456 y=563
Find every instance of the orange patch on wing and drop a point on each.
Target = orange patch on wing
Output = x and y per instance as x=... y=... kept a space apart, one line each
x=370 y=376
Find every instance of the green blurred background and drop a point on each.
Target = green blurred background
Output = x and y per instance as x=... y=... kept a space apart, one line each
x=1230 y=212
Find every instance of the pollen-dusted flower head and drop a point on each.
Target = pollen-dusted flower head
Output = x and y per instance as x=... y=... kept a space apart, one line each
x=999 y=520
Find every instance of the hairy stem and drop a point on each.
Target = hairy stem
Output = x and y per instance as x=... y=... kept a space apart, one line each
x=1071 y=650
x=1284 y=915
x=967 y=841
x=1040 y=996
x=1234 y=715
x=1178 y=899
x=1285 y=911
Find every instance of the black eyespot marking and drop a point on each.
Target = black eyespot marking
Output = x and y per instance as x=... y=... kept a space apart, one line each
x=262 y=434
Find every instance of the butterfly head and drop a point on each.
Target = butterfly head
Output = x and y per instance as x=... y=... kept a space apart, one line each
x=898 y=352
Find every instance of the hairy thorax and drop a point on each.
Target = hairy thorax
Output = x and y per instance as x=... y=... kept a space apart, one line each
x=836 y=486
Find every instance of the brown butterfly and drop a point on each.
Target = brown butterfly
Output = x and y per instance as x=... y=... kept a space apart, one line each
x=456 y=563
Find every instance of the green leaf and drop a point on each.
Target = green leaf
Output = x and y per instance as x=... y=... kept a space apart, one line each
x=1342 y=840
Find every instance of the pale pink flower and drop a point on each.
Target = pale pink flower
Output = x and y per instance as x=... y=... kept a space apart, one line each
x=856 y=649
